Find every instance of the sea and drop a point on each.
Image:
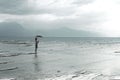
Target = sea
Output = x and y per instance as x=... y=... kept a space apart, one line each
x=60 y=58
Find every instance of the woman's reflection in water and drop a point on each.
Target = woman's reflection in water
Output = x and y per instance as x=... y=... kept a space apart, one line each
x=36 y=63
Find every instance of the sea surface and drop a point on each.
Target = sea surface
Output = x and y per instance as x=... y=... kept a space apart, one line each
x=60 y=58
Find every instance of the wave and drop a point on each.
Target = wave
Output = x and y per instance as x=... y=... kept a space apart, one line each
x=4 y=62
x=14 y=54
x=7 y=69
x=91 y=76
x=84 y=76
x=27 y=43
x=74 y=77
x=8 y=79
x=9 y=55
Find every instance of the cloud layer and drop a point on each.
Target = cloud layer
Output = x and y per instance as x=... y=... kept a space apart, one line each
x=101 y=16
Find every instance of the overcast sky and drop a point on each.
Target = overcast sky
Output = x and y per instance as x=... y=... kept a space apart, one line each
x=100 y=16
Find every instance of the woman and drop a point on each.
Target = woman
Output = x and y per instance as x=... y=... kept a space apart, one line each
x=36 y=44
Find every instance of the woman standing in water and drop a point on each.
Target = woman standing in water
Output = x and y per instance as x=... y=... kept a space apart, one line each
x=36 y=44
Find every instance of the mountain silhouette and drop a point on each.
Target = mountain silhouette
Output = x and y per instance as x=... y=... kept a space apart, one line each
x=11 y=29
x=67 y=32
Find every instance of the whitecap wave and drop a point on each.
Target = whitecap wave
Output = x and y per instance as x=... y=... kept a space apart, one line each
x=8 y=79
x=90 y=76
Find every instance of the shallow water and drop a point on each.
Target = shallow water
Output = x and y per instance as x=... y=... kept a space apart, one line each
x=61 y=59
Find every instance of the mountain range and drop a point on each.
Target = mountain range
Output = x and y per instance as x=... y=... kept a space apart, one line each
x=14 y=29
x=67 y=32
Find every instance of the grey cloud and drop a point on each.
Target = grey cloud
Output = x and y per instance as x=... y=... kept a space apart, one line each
x=69 y=27
x=81 y=22
x=20 y=7
x=17 y=7
x=82 y=2
x=11 y=6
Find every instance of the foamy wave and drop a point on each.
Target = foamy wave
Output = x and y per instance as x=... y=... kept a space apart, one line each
x=90 y=76
x=8 y=79
x=9 y=55
x=7 y=69
x=14 y=54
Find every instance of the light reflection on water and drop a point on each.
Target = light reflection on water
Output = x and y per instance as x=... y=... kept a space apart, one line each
x=59 y=57
x=36 y=63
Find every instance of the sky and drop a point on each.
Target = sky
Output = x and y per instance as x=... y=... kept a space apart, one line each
x=98 y=16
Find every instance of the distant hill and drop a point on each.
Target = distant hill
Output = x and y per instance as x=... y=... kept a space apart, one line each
x=12 y=29
x=66 y=32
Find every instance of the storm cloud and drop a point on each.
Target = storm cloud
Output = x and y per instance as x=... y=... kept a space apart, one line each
x=13 y=6
x=99 y=16
x=22 y=7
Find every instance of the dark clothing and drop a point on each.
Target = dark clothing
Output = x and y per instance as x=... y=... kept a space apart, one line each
x=36 y=44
